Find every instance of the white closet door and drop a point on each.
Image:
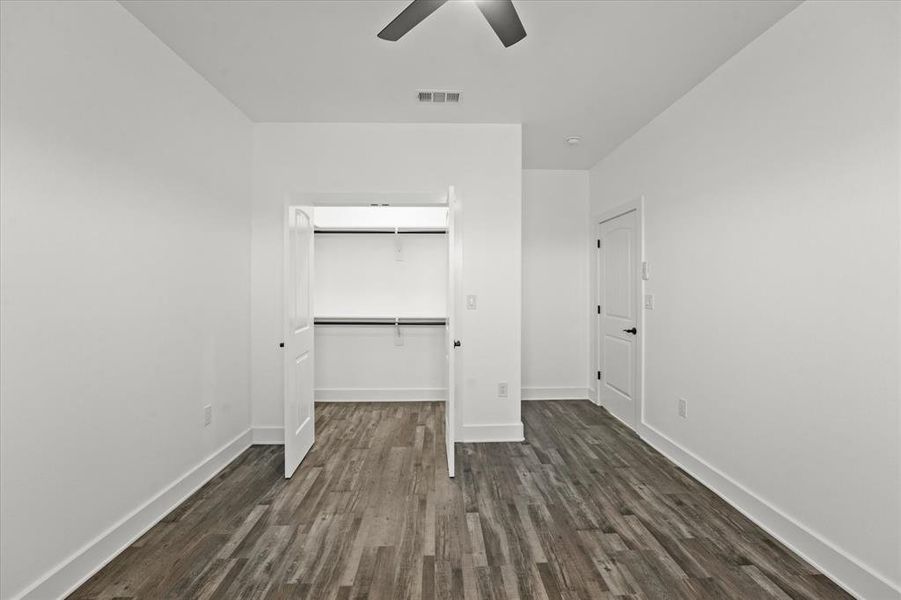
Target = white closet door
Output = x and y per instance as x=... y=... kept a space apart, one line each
x=454 y=266
x=299 y=413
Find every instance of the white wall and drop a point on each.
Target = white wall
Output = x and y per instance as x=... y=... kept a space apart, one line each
x=362 y=363
x=361 y=276
x=483 y=162
x=555 y=316
x=772 y=233
x=125 y=285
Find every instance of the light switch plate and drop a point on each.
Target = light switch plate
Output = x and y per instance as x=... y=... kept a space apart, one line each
x=471 y=302
x=645 y=270
x=502 y=389
x=649 y=301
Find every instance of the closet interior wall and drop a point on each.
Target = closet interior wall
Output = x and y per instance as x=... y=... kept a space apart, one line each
x=380 y=263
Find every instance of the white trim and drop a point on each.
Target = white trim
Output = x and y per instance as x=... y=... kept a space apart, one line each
x=64 y=578
x=268 y=435
x=505 y=432
x=379 y=394
x=593 y=396
x=846 y=571
x=555 y=393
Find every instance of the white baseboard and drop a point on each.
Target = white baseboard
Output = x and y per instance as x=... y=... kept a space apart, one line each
x=65 y=577
x=851 y=574
x=506 y=432
x=268 y=435
x=380 y=394
x=555 y=393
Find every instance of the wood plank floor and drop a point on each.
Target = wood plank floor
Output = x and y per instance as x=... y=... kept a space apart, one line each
x=583 y=509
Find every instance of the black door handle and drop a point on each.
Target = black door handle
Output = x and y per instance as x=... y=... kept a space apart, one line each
x=633 y=331
x=456 y=343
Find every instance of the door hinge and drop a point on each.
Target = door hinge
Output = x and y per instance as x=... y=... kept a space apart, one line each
x=599 y=309
x=599 y=243
x=599 y=375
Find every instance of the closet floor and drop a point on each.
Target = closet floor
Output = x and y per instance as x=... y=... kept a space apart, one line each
x=583 y=509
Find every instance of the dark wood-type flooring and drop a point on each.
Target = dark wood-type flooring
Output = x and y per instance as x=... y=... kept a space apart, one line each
x=582 y=509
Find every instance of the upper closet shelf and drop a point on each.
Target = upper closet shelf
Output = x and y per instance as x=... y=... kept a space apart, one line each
x=384 y=230
x=393 y=321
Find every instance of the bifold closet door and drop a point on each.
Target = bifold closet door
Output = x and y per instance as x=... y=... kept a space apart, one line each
x=453 y=274
x=299 y=413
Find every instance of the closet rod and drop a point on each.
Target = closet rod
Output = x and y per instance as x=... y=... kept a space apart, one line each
x=386 y=321
x=385 y=231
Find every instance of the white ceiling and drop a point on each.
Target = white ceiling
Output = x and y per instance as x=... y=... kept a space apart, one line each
x=597 y=69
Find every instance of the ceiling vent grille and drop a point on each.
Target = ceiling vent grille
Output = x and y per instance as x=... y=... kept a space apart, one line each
x=438 y=97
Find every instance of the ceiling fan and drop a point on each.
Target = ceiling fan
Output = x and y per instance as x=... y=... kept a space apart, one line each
x=500 y=14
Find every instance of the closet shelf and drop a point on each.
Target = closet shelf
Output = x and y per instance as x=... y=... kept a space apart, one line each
x=391 y=321
x=383 y=230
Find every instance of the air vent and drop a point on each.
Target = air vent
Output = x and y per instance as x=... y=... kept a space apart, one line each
x=438 y=97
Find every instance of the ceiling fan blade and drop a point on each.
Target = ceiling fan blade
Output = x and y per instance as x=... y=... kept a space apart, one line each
x=502 y=16
x=409 y=18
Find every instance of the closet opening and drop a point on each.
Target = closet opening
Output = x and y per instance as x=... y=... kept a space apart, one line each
x=382 y=293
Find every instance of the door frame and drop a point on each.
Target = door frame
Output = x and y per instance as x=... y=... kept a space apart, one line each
x=409 y=200
x=595 y=221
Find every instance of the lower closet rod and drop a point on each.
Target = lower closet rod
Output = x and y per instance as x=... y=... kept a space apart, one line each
x=385 y=231
x=391 y=322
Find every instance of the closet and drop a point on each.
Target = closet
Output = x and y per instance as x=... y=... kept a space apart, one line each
x=371 y=297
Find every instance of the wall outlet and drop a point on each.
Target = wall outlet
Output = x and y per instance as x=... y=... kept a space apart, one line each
x=470 y=302
x=683 y=408
x=207 y=414
x=649 y=301
x=502 y=389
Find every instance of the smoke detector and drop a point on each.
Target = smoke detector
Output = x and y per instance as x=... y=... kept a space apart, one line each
x=438 y=96
x=574 y=140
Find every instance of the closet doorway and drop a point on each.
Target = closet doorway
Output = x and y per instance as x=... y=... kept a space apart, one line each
x=378 y=273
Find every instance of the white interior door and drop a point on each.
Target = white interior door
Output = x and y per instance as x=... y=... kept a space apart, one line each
x=618 y=319
x=299 y=413
x=453 y=274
